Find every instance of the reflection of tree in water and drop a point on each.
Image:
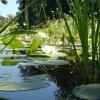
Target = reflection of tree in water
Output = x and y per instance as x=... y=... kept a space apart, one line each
x=63 y=76
x=60 y=95
x=29 y=71
x=3 y=98
x=66 y=81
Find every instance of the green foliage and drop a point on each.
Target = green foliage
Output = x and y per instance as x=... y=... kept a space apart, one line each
x=34 y=45
x=82 y=20
x=34 y=14
x=84 y=26
x=8 y=30
x=14 y=19
x=23 y=32
x=6 y=62
x=15 y=43
x=80 y=25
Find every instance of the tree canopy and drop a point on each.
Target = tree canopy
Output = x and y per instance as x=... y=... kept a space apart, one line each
x=41 y=10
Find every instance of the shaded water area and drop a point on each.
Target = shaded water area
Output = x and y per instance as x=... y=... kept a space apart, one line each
x=22 y=78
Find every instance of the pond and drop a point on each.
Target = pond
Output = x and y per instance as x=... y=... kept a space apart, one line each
x=20 y=79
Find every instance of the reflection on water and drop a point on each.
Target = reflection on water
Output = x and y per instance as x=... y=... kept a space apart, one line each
x=40 y=94
x=29 y=70
x=3 y=98
x=12 y=78
x=39 y=85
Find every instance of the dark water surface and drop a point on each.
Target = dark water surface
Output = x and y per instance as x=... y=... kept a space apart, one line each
x=47 y=93
x=29 y=83
x=15 y=86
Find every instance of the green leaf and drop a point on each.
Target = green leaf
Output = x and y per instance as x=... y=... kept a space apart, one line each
x=34 y=45
x=16 y=44
x=13 y=44
x=70 y=58
x=8 y=63
x=5 y=40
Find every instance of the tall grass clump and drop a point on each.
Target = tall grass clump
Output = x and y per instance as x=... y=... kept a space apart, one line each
x=88 y=26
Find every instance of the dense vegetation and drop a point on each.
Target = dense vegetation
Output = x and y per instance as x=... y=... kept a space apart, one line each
x=72 y=28
x=75 y=34
x=41 y=10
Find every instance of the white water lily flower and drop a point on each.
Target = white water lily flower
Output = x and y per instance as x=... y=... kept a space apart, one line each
x=49 y=49
x=60 y=42
x=42 y=34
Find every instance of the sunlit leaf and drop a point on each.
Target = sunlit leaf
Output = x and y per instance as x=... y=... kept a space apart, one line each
x=16 y=44
x=70 y=58
x=5 y=40
x=34 y=45
x=13 y=44
x=6 y=62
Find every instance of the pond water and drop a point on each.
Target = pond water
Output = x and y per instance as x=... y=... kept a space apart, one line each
x=20 y=83
x=47 y=93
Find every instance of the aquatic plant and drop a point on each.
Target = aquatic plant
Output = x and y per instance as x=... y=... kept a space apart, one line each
x=86 y=24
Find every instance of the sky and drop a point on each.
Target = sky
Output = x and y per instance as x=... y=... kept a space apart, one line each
x=10 y=8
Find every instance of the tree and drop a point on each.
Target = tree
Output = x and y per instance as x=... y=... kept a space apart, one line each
x=40 y=11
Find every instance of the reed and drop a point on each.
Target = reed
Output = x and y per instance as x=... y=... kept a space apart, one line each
x=80 y=14
x=26 y=16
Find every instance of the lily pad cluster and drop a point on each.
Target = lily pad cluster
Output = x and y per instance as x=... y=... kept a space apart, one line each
x=25 y=83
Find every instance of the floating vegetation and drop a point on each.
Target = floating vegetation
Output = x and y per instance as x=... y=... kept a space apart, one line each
x=88 y=92
x=26 y=83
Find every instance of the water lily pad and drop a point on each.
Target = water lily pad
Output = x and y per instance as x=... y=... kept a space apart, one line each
x=27 y=64
x=5 y=75
x=9 y=63
x=26 y=83
x=12 y=61
x=18 y=60
x=38 y=62
x=11 y=55
x=39 y=58
x=89 y=92
x=52 y=62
